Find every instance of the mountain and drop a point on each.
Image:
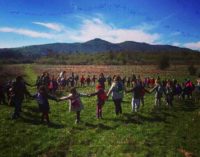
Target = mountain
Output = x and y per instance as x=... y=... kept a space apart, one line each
x=93 y=46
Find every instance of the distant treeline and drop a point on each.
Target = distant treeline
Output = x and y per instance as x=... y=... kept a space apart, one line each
x=119 y=58
x=103 y=58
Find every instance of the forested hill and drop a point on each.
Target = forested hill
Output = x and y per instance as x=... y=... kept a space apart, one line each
x=94 y=48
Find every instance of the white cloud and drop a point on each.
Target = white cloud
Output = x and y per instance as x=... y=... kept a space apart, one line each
x=193 y=45
x=26 y=32
x=96 y=28
x=87 y=30
x=53 y=26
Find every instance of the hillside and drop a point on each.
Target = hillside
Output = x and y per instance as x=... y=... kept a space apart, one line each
x=97 y=46
x=97 y=51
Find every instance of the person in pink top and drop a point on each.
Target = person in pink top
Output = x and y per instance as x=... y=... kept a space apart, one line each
x=75 y=103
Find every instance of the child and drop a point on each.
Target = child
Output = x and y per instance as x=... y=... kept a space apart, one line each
x=82 y=81
x=75 y=104
x=178 y=90
x=88 y=80
x=137 y=92
x=42 y=98
x=101 y=97
x=159 y=90
x=76 y=80
x=169 y=94
x=94 y=79
x=117 y=91
x=142 y=94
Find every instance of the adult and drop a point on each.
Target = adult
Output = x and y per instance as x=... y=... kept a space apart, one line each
x=18 y=91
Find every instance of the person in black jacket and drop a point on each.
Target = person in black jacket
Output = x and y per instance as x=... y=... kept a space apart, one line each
x=18 y=91
x=2 y=93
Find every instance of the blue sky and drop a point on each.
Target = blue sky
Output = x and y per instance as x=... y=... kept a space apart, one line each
x=30 y=22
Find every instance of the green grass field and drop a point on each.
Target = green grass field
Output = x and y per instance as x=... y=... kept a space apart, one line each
x=150 y=133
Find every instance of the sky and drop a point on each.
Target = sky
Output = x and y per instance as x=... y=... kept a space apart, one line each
x=32 y=22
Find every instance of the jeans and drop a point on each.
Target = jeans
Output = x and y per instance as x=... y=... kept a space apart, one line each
x=158 y=102
x=17 y=104
x=78 y=118
x=118 y=107
x=135 y=105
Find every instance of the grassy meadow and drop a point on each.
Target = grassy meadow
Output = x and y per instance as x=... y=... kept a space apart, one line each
x=152 y=132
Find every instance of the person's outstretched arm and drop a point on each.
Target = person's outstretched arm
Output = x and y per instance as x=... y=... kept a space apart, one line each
x=84 y=95
x=52 y=97
x=130 y=90
x=153 y=89
x=146 y=91
x=93 y=94
x=110 y=90
x=65 y=98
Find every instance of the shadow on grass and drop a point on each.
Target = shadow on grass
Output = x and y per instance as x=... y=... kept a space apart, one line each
x=187 y=105
x=38 y=122
x=140 y=118
x=32 y=108
x=32 y=115
x=100 y=126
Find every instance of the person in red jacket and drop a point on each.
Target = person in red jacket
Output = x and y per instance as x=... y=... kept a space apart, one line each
x=82 y=80
x=101 y=97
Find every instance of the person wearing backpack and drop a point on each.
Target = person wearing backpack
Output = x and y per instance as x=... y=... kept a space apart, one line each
x=42 y=97
x=101 y=98
x=159 y=91
x=117 y=92
x=138 y=92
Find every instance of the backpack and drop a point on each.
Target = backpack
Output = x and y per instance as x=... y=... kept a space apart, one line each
x=119 y=87
x=160 y=89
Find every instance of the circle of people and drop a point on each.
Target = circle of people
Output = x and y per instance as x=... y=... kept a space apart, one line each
x=47 y=86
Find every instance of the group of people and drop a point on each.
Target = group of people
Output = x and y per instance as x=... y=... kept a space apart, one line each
x=62 y=80
x=17 y=90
